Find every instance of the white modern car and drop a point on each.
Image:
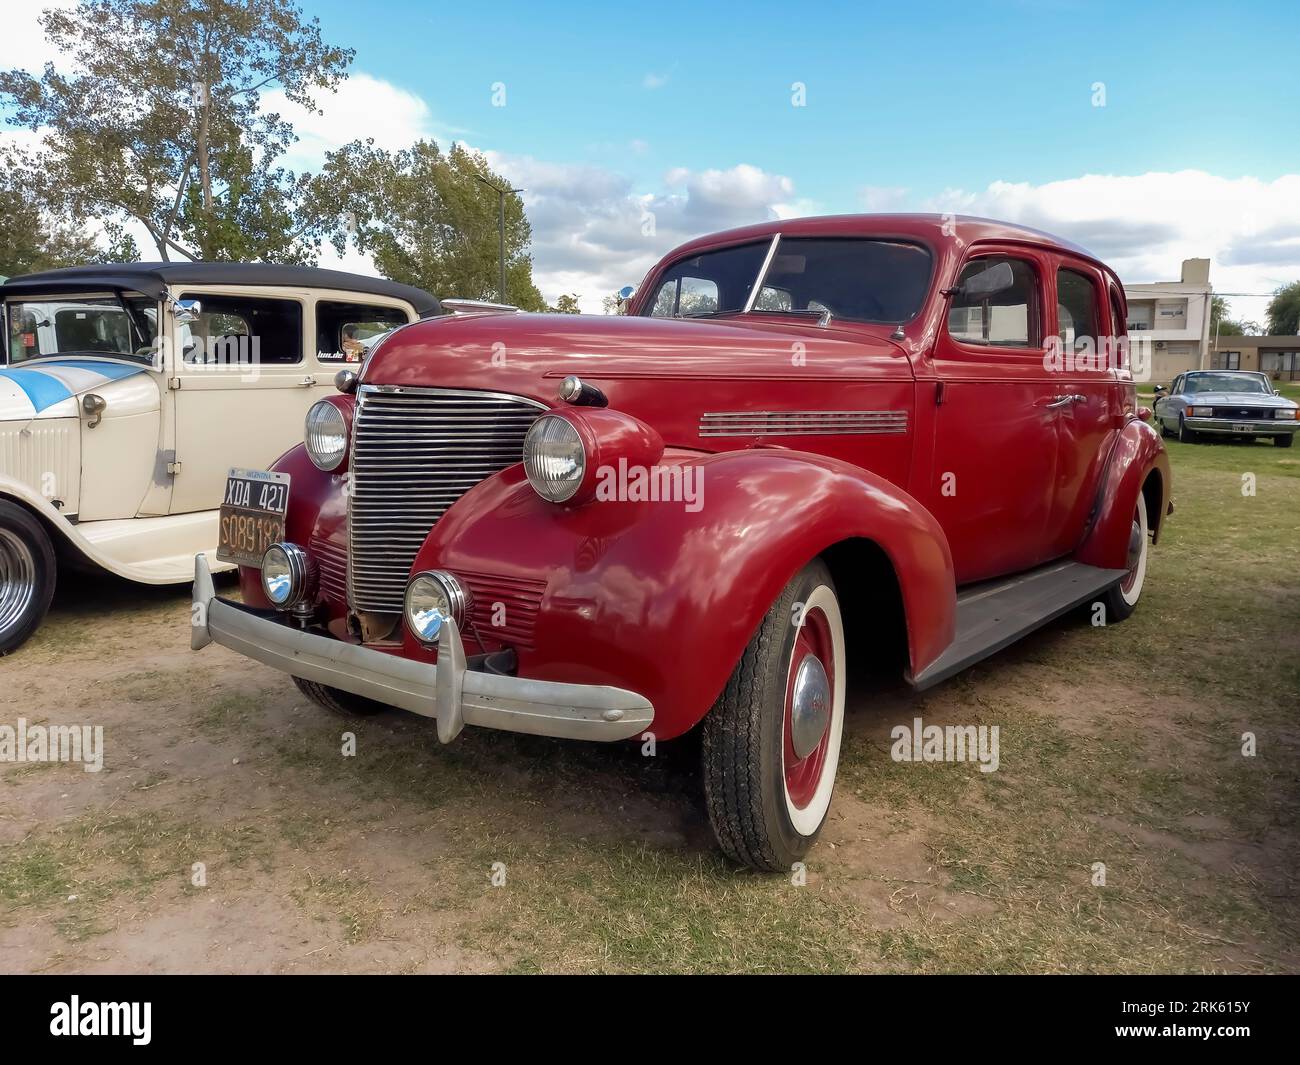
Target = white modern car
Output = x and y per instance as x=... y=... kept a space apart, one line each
x=128 y=392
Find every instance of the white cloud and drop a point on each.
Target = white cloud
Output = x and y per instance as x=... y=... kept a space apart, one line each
x=593 y=232
x=26 y=46
x=654 y=81
x=363 y=107
x=1144 y=225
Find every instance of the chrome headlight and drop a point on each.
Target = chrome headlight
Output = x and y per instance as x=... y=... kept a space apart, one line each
x=326 y=435
x=554 y=458
x=286 y=575
x=433 y=597
x=1289 y=413
x=1200 y=412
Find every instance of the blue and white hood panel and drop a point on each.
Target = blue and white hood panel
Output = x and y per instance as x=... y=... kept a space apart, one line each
x=50 y=388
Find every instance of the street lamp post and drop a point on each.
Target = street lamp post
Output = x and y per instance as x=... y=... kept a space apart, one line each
x=501 y=228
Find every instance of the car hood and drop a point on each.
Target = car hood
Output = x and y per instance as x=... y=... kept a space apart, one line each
x=1235 y=399
x=48 y=388
x=530 y=353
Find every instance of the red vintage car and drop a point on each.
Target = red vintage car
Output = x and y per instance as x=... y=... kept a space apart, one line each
x=806 y=444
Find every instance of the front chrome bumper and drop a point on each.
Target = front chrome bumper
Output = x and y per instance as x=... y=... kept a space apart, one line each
x=451 y=693
x=1256 y=428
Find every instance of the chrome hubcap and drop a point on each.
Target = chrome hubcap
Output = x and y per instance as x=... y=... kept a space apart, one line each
x=810 y=711
x=17 y=579
x=1134 y=546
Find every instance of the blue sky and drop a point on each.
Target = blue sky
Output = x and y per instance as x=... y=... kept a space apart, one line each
x=633 y=128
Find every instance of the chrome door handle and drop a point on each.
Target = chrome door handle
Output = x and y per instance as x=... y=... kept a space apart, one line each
x=1065 y=401
x=307 y=382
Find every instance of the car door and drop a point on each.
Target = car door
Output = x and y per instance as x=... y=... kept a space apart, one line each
x=241 y=379
x=994 y=468
x=1083 y=397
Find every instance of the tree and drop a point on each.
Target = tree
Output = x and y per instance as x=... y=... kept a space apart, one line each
x=1220 y=323
x=566 y=304
x=161 y=121
x=1284 y=311
x=32 y=240
x=426 y=219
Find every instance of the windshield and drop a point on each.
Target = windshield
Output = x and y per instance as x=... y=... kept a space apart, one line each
x=865 y=280
x=1247 y=383
x=81 y=325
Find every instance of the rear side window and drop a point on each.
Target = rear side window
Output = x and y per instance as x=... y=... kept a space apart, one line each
x=1007 y=317
x=347 y=331
x=1076 y=311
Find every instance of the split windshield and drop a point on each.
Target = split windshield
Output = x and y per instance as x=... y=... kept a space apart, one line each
x=81 y=325
x=866 y=280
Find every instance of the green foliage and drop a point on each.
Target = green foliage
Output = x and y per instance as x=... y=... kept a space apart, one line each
x=1284 y=311
x=32 y=240
x=427 y=219
x=160 y=121
x=566 y=304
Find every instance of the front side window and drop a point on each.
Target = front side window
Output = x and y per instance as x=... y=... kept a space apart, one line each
x=81 y=325
x=243 y=330
x=1006 y=317
x=348 y=331
x=863 y=280
x=1076 y=310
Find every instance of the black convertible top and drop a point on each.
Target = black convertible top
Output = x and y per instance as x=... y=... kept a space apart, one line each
x=152 y=279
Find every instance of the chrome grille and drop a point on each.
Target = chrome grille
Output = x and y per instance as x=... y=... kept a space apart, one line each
x=415 y=451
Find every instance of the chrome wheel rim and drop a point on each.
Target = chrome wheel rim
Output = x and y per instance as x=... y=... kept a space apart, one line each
x=17 y=579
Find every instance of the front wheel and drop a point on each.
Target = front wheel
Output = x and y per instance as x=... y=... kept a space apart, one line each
x=1121 y=599
x=771 y=743
x=27 y=575
x=1285 y=440
x=336 y=701
x=1185 y=435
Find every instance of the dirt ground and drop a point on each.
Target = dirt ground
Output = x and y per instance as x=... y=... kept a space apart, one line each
x=1119 y=745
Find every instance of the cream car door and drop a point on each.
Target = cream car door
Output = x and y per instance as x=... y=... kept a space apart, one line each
x=242 y=378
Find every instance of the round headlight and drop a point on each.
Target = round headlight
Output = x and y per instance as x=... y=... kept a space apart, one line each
x=432 y=598
x=326 y=435
x=554 y=458
x=286 y=575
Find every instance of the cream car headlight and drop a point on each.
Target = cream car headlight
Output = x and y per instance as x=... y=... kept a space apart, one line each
x=326 y=435
x=432 y=598
x=1200 y=412
x=554 y=458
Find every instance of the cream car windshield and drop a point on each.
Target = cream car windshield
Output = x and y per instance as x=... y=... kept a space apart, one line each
x=81 y=325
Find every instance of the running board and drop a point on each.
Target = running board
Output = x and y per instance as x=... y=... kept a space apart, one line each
x=993 y=614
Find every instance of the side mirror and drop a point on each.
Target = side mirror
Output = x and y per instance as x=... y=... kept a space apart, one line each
x=625 y=295
x=187 y=311
x=988 y=282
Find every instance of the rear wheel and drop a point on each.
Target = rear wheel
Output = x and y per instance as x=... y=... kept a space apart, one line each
x=1285 y=440
x=1121 y=599
x=771 y=743
x=337 y=701
x=27 y=575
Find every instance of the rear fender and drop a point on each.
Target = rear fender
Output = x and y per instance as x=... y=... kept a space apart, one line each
x=1137 y=463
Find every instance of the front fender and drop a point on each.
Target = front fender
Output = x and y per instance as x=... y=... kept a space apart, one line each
x=662 y=597
x=1137 y=454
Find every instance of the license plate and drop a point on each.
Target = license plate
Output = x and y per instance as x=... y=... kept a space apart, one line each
x=252 y=515
x=1243 y=428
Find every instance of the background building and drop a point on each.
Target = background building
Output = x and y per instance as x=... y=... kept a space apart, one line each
x=1175 y=317
x=1277 y=356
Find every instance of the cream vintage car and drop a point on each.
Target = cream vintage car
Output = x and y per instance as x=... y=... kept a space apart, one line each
x=128 y=392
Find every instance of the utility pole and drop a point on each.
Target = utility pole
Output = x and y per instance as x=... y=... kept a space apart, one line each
x=501 y=229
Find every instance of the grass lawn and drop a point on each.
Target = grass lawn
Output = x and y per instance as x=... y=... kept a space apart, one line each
x=1121 y=747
